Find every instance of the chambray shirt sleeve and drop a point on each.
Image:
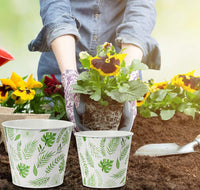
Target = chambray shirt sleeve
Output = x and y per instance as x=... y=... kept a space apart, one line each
x=138 y=23
x=57 y=20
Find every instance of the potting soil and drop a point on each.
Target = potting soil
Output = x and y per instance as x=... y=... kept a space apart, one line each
x=178 y=172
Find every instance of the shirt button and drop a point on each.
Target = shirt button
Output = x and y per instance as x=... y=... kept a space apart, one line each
x=95 y=37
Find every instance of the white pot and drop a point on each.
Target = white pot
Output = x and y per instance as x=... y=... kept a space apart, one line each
x=103 y=157
x=37 y=150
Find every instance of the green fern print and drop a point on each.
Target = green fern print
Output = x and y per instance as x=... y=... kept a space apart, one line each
x=106 y=165
x=119 y=174
x=62 y=166
x=95 y=152
x=102 y=146
x=89 y=159
x=60 y=135
x=65 y=138
x=11 y=133
x=124 y=152
x=39 y=181
x=29 y=149
x=91 y=181
x=44 y=159
x=99 y=177
x=49 y=138
x=19 y=151
x=84 y=165
x=23 y=169
x=54 y=163
x=113 y=144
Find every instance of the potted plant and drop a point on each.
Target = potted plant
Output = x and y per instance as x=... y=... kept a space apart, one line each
x=105 y=86
x=164 y=99
x=31 y=99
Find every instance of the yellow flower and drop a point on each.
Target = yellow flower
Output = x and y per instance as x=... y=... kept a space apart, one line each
x=187 y=81
x=23 y=91
x=157 y=86
x=108 y=65
x=22 y=95
x=31 y=83
x=141 y=102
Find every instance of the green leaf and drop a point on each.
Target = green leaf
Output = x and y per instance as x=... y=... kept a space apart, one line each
x=23 y=169
x=124 y=152
x=17 y=137
x=89 y=159
x=167 y=114
x=102 y=147
x=91 y=181
x=35 y=172
x=113 y=144
x=54 y=163
x=29 y=149
x=106 y=165
x=44 y=159
x=85 y=63
x=19 y=153
x=40 y=181
x=96 y=96
x=117 y=164
x=190 y=111
x=84 y=165
x=65 y=138
x=137 y=65
x=48 y=138
x=119 y=174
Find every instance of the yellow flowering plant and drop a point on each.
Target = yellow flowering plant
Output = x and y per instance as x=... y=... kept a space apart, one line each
x=106 y=77
x=164 y=99
x=31 y=96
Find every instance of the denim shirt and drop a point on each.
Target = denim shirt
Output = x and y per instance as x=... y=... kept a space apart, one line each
x=94 y=22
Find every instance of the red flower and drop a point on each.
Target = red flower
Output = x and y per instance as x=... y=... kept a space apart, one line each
x=5 y=57
x=53 y=86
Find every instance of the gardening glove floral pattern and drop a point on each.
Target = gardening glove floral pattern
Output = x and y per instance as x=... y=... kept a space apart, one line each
x=68 y=78
x=129 y=110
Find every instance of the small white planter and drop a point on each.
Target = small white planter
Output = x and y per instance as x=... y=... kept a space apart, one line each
x=103 y=157
x=37 y=150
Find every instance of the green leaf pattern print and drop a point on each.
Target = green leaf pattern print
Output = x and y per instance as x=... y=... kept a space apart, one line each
x=103 y=160
x=23 y=169
x=37 y=157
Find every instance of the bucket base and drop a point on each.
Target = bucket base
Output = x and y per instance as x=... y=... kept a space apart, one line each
x=39 y=187
x=108 y=187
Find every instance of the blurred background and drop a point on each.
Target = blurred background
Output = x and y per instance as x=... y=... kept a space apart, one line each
x=177 y=31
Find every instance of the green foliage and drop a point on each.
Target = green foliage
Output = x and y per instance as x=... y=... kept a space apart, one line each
x=91 y=181
x=62 y=166
x=102 y=146
x=23 y=169
x=113 y=144
x=48 y=139
x=35 y=171
x=65 y=138
x=17 y=137
x=89 y=159
x=124 y=152
x=84 y=165
x=117 y=87
x=54 y=163
x=40 y=181
x=19 y=146
x=29 y=149
x=117 y=164
x=44 y=159
x=106 y=165
x=119 y=174
x=166 y=102
x=60 y=135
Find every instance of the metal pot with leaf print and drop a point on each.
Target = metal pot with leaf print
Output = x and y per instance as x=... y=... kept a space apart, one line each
x=103 y=157
x=38 y=150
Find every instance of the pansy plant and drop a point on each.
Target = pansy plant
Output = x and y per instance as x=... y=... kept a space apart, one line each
x=181 y=94
x=106 y=76
x=32 y=96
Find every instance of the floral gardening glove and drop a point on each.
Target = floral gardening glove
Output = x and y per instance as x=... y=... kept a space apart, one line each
x=129 y=110
x=68 y=78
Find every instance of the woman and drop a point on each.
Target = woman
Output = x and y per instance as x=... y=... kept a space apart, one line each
x=80 y=25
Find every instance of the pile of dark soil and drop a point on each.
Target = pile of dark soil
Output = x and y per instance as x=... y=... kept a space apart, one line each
x=179 y=172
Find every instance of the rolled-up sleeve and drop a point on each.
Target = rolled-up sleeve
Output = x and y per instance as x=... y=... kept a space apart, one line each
x=57 y=20
x=136 y=28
